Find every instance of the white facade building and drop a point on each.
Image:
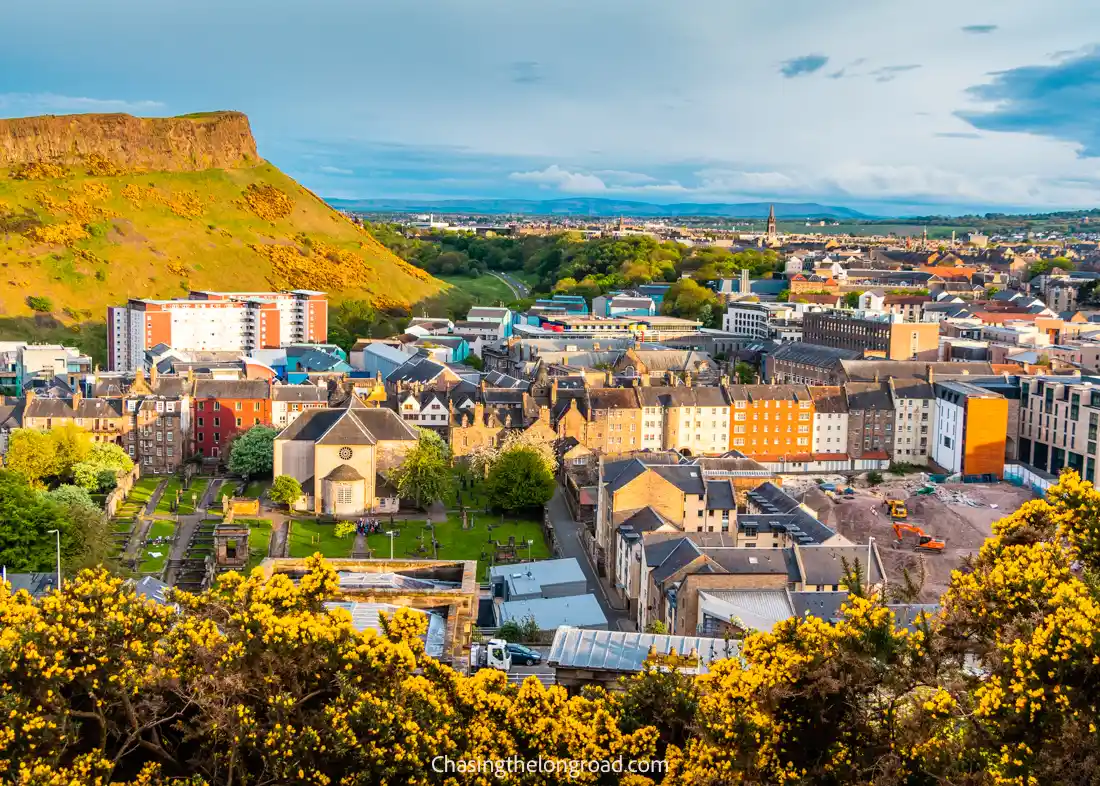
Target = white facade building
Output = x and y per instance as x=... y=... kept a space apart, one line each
x=215 y=321
x=746 y=320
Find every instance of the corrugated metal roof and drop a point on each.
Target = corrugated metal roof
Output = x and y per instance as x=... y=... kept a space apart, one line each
x=750 y=609
x=604 y=650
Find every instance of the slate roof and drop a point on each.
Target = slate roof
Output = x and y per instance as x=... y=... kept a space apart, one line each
x=813 y=355
x=683 y=396
x=667 y=557
x=232 y=388
x=352 y=426
x=866 y=370
x=720 y=495
x=686 y=477
x=823 y=605
x=416 y=369
x=643 y=520
x=756 y=561
x=44 y=407
x=823 y=564
x=344 y=472
x=912 y=389
x=769 y=393
x=868 y=395
x=305 y=393
x=618 y=474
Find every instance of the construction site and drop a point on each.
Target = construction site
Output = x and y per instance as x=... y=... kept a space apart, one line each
x=961 y=515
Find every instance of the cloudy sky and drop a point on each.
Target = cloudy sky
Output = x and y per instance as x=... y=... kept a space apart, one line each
x=884 y=105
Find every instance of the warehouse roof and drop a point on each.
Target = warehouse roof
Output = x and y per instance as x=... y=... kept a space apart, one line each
x=604 y=650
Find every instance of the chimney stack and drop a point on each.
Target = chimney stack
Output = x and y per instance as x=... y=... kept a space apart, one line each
x=554 y=392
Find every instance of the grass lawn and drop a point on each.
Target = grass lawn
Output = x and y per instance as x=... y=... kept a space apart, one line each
x=456 y=543
x=123 y=525
x=169 y=495
x=259 y=538
x=198 y=488
x=149 y=563
x=256 y=489
x=143 y=489
x=129 y=510
x=486 y=290
x=473 y=498
x=308 y=536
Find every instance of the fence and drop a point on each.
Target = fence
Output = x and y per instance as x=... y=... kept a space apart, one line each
x=1038 y=481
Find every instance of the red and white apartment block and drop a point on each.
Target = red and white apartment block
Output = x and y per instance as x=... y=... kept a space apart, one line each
x=215 y=322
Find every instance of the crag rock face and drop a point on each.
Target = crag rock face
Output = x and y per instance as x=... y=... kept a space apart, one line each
x=214 y=140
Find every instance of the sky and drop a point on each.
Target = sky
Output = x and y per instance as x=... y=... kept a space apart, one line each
x=885 y=106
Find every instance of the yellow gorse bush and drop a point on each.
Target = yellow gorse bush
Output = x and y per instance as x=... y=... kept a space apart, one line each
x=255 y=682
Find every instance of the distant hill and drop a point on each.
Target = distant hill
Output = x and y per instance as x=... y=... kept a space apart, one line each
x=95 y=209
x=596 y=207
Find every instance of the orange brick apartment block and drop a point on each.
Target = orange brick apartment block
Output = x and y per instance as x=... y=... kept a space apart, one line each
x=770 y=422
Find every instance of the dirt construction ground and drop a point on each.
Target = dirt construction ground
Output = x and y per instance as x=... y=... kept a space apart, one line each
x=961 y=514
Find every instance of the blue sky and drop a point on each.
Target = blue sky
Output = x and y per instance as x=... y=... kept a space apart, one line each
x=866 y=103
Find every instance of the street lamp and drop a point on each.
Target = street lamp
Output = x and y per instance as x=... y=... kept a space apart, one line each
x=391 y=533
x=57 y=532
x=530 y=543
x=870 y=544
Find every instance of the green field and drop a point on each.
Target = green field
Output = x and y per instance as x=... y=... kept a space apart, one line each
x=486 y=290
x=149 y=563
x=259 y=538
x=308 y=536
x=459 y=544
x=198 y=488
x=143 y=489
x=169 y=495
x=256 y=489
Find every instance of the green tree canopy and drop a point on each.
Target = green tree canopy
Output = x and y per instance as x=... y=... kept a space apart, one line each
x=688 y=299
x=253 y=452
x=424 y=474
x=100 y=469
x=519 y=479
x=285 y=490
x=26 y=517
x=71 y=495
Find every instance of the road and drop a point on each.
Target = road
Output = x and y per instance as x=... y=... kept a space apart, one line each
x=544 y=673
x=569 y=537
x=519 y=289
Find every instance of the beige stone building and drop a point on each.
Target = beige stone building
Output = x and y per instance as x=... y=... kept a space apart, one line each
x=340 y=457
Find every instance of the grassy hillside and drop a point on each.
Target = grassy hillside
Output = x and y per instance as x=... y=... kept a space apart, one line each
x=74 y=243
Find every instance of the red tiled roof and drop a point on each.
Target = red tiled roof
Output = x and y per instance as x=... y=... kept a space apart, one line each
x=875 y=454
x=830 y=456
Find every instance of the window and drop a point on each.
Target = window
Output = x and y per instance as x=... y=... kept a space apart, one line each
x=201 y=436
x=217 y=437
x=217 y=422
x=343 y=494
x=217 y=405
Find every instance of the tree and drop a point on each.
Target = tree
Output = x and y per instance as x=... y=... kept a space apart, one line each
x=31 y=453
x=26 y=517
x=519 y=479
x=71 y=495
x=851 y=299
x=783 y=296
x=253 y=452
x=100 y=469
x=746 y=374
x=285 y=490
x=657 y=626
x=1043 y=266
x=344 y=528
x=690 y=300
x=424 y=474
x=72 y=445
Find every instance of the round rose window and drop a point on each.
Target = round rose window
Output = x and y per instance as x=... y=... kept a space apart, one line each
x=345 y=453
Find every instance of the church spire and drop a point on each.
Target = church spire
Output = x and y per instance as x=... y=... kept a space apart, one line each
x=772 y=234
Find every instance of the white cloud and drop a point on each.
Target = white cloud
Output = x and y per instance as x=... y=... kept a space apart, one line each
x=556 y=177
x=47 y=102
x=335 y=170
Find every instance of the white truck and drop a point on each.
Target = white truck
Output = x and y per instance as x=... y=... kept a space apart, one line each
x=493 y=654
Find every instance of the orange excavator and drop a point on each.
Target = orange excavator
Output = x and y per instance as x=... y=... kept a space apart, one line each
x=925 y=541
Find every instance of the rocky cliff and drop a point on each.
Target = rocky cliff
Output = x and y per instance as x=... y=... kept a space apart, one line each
x=215 y=140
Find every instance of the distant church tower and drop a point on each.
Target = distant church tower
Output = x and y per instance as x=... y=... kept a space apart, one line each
x=772 y=236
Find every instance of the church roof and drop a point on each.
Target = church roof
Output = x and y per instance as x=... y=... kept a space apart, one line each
x=344 y=472
x=353 y=426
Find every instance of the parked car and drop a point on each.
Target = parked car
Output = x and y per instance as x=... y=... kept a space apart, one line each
x=524 y=656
